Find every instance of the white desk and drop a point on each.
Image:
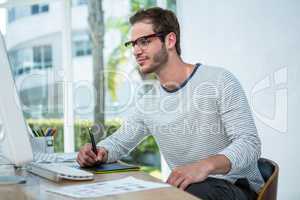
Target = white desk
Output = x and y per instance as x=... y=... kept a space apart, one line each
x=35 y=187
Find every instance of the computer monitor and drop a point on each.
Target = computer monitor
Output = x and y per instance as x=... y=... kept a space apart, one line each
x=14 y=137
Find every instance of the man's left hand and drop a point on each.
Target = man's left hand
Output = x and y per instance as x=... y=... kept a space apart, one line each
x=183 y=176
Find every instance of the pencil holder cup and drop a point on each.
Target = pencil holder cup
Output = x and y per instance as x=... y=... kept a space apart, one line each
x=43 y=144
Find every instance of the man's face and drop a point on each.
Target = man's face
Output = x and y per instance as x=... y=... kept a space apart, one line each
x=150 y=52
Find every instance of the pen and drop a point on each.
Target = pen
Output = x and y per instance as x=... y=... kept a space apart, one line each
x=36 y=132
x=54 y=131
x=94 y=148
x=40 y=132
x=48 y=132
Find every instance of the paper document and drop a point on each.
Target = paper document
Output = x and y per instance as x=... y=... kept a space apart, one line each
x=128 y=184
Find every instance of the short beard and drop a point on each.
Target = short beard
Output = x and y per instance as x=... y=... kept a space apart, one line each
x=159 y=59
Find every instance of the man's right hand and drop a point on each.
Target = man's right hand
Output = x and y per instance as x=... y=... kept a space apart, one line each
x=86 y=157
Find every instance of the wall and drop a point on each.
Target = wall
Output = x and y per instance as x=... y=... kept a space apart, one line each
x=259 y=42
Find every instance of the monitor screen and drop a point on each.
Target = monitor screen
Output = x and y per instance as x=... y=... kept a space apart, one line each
x=14 y=137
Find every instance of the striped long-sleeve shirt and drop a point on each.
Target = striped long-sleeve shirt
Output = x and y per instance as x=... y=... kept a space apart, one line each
x=208 y=115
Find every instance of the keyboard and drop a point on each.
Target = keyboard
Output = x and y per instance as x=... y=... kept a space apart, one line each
x=39 y=157
x=58 y=171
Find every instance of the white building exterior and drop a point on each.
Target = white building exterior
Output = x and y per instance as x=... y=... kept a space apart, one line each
x=34 y=41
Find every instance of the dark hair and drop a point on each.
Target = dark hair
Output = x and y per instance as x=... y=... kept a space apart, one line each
x=163 y=20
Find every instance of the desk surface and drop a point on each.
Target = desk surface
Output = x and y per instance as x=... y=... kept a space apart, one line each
x=35 y=187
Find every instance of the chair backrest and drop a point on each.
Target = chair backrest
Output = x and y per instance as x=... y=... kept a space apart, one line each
x=269 y=171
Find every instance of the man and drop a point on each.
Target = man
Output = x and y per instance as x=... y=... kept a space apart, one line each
x=199 y=116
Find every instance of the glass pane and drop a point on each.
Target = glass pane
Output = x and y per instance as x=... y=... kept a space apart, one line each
x=45 y=8
x=11 y=15
x=79 y=2
x=119 y=70
x=47 y=56
x=81 y=44
x=37 y=55
x=35 y=9
x=36 y=60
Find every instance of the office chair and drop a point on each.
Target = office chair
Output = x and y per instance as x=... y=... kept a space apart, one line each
x=269 y=171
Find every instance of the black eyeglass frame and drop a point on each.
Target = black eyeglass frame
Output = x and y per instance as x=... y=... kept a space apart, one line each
x=132 y=43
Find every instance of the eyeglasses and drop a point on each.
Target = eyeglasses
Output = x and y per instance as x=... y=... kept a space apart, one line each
x=143 y=41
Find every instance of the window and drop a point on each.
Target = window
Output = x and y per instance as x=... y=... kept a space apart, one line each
x=81 y=44
x=47 y=56
x=45 y=8
x=37 y=58
x=24 y=11
x=35 y=9
x=18 y=12
x=24 y=60
x=79 y=2
x=82 y=48
x=39 y=8
x=11 y=15
x=21 y=61
x=42 y=57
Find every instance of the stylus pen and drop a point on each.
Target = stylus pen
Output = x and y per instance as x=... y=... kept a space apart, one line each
x=94 y=148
